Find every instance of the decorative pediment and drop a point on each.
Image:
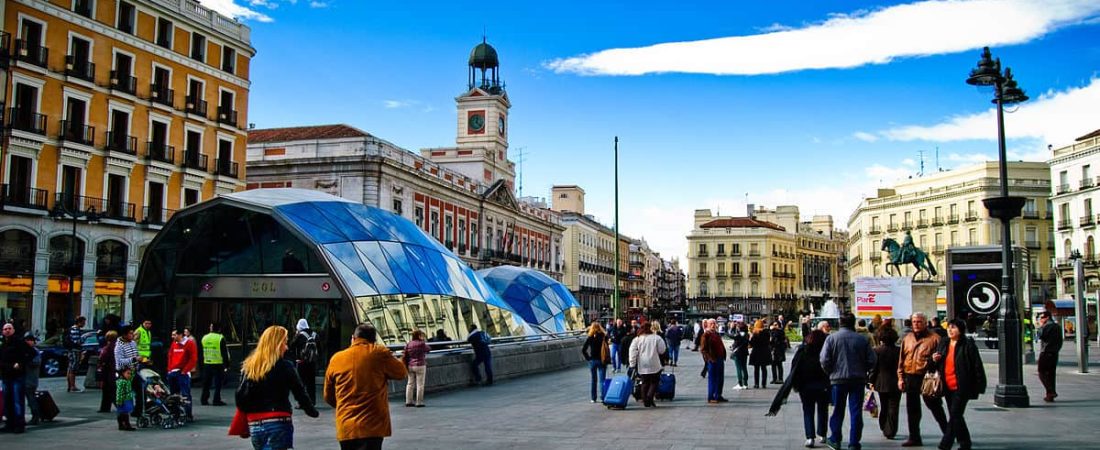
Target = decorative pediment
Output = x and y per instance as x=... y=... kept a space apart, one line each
x=500 y=194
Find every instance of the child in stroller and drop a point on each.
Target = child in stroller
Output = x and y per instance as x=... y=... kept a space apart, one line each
x=159 y=407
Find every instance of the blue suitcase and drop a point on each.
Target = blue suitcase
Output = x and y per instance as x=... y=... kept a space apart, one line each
x=603 y=389
x=666 y=388
x=618 y=394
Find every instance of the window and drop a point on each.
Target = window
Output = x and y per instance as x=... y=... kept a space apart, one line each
x=954 y=238
x=754 y=268
x=973 y=237
x=736 y=268
x=122 y=76
x=721 y=249
x=78 y=61
x=461 y=232
x=190 y=196
x=154 y=210
x=117 y=208
x=71 y=186
x=229 y=60
x=119 y=136
x=397 y=206
x=164 y=33
x=473 y=235
x=703 y=268
x=198 y=47
x=85 y=8
x=448 y=230
x=127 y=15
x=435 y=224
x=736 y=249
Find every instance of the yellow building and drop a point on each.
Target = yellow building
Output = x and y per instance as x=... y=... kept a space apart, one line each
x=118 y=113
x=945 y=210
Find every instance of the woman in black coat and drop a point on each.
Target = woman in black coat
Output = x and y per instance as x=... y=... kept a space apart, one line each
x=761 y=356
x=884 y=380
x=779 y=344
x=963 y=374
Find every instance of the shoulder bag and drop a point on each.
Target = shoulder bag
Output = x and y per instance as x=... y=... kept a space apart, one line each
x=932 y=385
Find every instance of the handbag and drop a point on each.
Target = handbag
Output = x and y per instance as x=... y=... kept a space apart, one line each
x=932 y=385
x=870 y=405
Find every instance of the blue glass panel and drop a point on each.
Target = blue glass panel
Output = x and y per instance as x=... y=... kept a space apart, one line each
x=364 y=215
x=346 y=263
x=373 y=253
x=339 y=215
x=382 y=282
x=400 y=266
x=432 y=273
x=312 y=222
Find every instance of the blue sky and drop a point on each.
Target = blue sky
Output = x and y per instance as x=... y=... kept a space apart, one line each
x=781 y=102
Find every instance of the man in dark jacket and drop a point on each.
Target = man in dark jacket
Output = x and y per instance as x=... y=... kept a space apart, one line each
x=675 y=336
x=617 y=333
x=305 y=362
x=1050 y=338
x=15 y=356
x=847 y=358
x=714 y=353
x=482 y=355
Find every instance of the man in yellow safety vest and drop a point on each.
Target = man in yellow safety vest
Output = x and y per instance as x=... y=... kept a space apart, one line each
x=144 y=338
x=215 y=361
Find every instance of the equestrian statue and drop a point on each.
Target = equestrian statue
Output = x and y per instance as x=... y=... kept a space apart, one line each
x=907 y=253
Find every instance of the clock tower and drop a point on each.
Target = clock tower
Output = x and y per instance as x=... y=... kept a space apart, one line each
x=482 y=140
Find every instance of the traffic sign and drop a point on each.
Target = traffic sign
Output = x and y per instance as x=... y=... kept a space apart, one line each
x=983 y=298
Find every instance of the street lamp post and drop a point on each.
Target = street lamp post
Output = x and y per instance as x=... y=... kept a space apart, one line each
x=1011 y=391
x=63 y=210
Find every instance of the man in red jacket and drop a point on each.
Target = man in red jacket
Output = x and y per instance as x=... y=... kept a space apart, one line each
x=182 y=359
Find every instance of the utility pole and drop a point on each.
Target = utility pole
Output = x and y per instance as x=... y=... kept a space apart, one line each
x=617 y=308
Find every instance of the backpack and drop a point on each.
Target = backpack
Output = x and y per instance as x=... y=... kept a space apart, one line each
x=485 y=339
x=309 y=351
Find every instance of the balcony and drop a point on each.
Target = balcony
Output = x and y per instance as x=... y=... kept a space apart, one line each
x=736 y=275
x=702 y=255
x=719 y=255
x=1065 y=224
x=754 y=254
x=971 y=216
x=952 y=219
x=156 y=216
x=122 y=81
x=225 y=167
x=27 y=120
x=1087 y=221
x=159 y=93
x=32 y=54
x=736 y=253
x=1032 y=244
x=195 y=106
x=122 y=143
x=721 y=274
x=922 y=223
x=227 y=116
x=1032 y=214
x=907 y=225
x=754 y=274
x=874 y=230
x=77 y=133
x=892 y=227
x=76 y=68
x=703 y=274
x=937 y=221
x=100 y=208
x=23 y=197
x=194 y=160
x=157 y=151
x=875 y=256
x=118 y=210
x=1086 y=183
x=938 y=249
x=1062 y=189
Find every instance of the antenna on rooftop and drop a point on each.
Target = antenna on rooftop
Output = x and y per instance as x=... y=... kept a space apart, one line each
x=920 y=154
x=521 y=156
x=938 y=168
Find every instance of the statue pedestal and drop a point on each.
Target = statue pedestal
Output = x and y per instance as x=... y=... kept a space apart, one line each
x=924 y=297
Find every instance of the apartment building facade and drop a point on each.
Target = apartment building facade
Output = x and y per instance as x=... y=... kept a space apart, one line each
x=1075 y=172
x=108 y=132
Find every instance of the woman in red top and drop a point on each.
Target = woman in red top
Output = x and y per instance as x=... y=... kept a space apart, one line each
x=964 y=375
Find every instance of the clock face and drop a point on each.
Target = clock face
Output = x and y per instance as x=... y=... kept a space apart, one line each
x=500 y=125
x=477 y=122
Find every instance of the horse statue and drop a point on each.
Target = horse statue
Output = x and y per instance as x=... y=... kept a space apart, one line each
x=915 y=256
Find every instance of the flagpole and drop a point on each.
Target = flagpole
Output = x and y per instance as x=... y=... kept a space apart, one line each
x=615 y=297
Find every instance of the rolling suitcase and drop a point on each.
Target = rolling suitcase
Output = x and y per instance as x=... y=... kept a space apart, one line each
x=603 y=389
x=47 y=408
x=666 y=388
x=618 y=393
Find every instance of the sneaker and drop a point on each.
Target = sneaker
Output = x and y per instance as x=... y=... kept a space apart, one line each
x=810 y=443
x=833 y=445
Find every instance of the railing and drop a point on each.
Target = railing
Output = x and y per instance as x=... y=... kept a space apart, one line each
x=720 y=274
x=158 y=151
x=922 y=223
x=226 y=167
x=123 y=143
x=1030 y=214
x=874 y=230
x=77 y=132
x=23 y=197
x=1087 y=221
x=227 y=116
x=1032 y=244
x=971 y=216
x=719 y=255
x=952 y=219
x=702 y=255
x=937 y=249
x=118 y=210
x=194 y=160
x=907 y=225
x=79 y=203
x=735 y=253
x=875 y=256
x=1062 y=189
x=1065 y=224
x=754 y=254
x=195 y=106
x=736 y=274
x=33 y=54
x=156 y=216
x=937 y=221
x=702 y=274
x=893 y=227
x=25 y=120
x=160 y=93
x=123 y=81
x=83 y=69
x=1086 y=183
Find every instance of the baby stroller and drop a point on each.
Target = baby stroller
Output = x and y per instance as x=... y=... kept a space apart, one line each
x=159 y=408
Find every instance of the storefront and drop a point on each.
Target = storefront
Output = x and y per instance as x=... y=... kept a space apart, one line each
x=266 y=257
x=16 y=276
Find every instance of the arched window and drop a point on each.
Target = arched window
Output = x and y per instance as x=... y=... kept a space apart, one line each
x=1068 y=247
x=110 y=259
x=16 y=252
x=63 y=261
x=754 y=289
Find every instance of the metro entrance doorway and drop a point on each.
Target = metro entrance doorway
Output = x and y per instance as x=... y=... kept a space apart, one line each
x=244 y=320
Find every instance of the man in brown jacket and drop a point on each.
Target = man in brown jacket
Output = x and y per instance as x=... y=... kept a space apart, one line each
x=714 y=353
x=355 y=384
x=914 y=361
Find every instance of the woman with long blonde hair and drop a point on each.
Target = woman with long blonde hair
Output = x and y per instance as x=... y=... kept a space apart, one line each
x=598 y=355
x=263 y=395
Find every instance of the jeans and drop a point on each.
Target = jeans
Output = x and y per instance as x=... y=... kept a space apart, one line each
x=758 y=373
x=853 y=393
x=913 y=400
x=414 y=386
x=32 y=401
x=615 y=363
x=673 y=351
x=486 y=359
x=599 y=372
x=741 y=363
x=13 y=404
x=815 y=399
x=374 y=443
x=213 y=376
x=272 y=435
x=956 y=427
x=716 y=378
x=180 y=383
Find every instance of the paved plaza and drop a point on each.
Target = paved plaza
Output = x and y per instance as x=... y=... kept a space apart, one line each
x=553 y=411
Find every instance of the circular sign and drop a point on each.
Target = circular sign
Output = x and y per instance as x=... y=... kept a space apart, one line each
x=983 y=298
x=325 y=286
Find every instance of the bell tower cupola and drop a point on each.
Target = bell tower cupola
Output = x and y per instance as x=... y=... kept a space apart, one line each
x=485 y=69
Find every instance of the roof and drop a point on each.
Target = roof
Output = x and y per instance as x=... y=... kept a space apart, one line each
x=741 y=222
x=1089 y=136
x=306 y=133
x=484 y=56
x=537 y=298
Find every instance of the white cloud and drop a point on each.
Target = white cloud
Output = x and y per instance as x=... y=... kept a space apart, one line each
x=316 y=4
x=847 y=40
x=865 y=136
x=231 y=9
x=397 y=104
x=910 y=162
x=1055 y=118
